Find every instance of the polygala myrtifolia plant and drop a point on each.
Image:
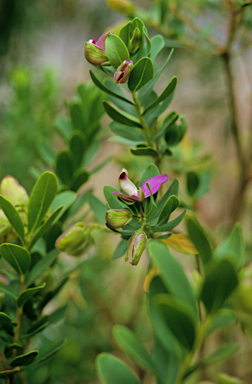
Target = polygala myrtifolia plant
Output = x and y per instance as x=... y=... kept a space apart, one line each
x=130 y=59
x=29 y=227
x=184 y=312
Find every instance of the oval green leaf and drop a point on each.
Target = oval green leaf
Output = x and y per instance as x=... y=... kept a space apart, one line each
x=13 y=216
x=116 y=50
x=121 y=117
x=27 y=294
x=41 y=198
x=18 y=257
x=26 y=359
x=141 y=74
x=113 y=371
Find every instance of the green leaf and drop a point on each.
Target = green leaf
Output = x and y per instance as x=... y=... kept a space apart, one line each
x=65 y=166
x=177 y=318
x=112 y=199
x=223 y=353
x=144 y=92
x=98 y=208
x=8 y=373
x=18 y=257
x=166 y=93
x=124 y=33
x=64 y=127
x=77 y=116
x=171 y=224
x=45 y=227
x=219 y=283
x=106 y=89
x=151 y=171
x=144 y=151
x=168 y=122
x=27 y=294
x=199 y=239
x=116 y=50
x=132 y=347
x=163 y=211
x=38 y=326
x=13 y=216
x=26 y=359
x=121 y=117
x=41 y=198
x=6 y=320
x=232 y=248
x=9 y=349
x=220 y=320
x=80 y=178
x=40 y=267
x=7 y=290
x=166 y=365
x=121 y=249
x=56 y=348
x=172 y=274
x=141 y=74
x=65 y=199
x=78 y=145
x=113 y=371
x=175 y=133
x=157 y=44
x=164 y=334
x=124 y=131
x=192 y=182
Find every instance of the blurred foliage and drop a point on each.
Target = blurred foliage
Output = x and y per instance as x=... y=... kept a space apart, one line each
x=26 y=120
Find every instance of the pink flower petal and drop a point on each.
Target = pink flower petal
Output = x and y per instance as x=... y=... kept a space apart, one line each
x=101 y=41
x=155 y=183
x=126 y=197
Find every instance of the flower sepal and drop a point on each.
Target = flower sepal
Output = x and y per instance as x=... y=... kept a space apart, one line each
x=117 y=218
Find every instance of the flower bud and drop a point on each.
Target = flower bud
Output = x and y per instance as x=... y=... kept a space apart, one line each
x=135 y=41
x=121 y=6
x=5 y=226
x=117 y=218
x=13 y=191
x=123 y=71
x=137 y=244
x=75 y=240
x=94 y=51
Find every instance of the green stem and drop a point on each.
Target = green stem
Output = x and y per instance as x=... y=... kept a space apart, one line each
x=137 y=106
x=196 y=348
x=2 y=360
x=146 y=130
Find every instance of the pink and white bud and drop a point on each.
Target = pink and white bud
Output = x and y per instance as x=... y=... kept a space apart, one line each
x=13 y=191
x=123 y=71
x=126 y=184
x=94 y=50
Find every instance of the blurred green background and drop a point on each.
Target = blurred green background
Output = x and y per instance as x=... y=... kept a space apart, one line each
x=42 y=62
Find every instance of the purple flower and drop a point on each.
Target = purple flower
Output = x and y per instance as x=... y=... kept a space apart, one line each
x=123 y=71
x=94 y=50
x=134 y=194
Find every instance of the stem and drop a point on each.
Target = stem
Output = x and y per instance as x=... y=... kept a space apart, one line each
x=146 y=130
x=137 y=106
x=191 y=355
x=237 y=203
x=2 y=360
